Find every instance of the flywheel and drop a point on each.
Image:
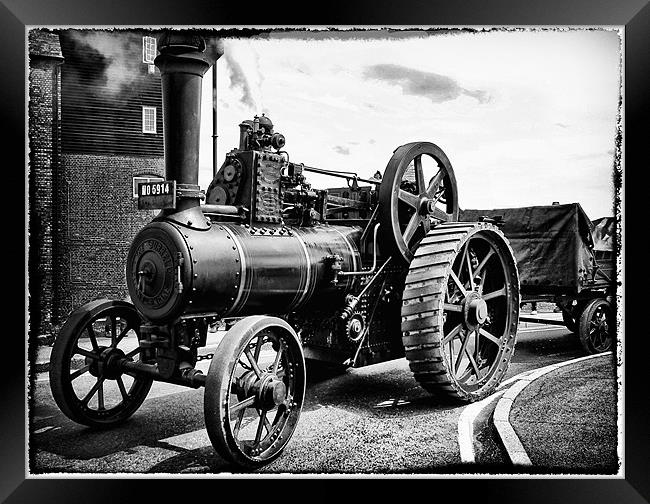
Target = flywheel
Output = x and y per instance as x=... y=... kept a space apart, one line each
x=418 y=190
x=460 y=310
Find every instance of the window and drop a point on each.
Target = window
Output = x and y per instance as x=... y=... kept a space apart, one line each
x=149 y=120
x=140 y=179
x=148 y=49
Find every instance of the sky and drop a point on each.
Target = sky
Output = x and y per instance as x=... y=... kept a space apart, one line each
x=526 y=117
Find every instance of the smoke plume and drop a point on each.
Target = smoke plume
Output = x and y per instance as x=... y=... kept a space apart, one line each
x=116 y=56
x=248 y=82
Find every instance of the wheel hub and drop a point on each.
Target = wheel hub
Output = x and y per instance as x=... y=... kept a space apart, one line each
x=475 y=310
x=427 y=206
x=269 y=390
x=107 y=363
x=603 y=326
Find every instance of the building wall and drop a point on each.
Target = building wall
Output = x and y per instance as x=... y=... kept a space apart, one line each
x=101 y=218
x=86 y=145
x=44 y=148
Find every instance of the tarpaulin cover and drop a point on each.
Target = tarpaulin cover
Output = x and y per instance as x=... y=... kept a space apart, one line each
x=552 y=245
x=603 y=233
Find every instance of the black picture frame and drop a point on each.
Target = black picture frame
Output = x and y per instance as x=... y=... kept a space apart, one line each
x=16 y=15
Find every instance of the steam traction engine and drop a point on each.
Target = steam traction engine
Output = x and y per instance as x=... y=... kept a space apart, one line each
x=374 y=270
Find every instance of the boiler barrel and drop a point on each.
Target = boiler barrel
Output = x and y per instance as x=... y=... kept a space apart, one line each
x=232 y=270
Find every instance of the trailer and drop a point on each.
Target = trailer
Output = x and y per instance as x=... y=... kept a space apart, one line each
x=566 y=259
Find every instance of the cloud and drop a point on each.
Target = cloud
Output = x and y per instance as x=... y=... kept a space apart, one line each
x=438 y=88
x=341 y=150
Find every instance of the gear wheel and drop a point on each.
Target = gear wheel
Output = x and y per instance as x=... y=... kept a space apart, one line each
x=355 y=327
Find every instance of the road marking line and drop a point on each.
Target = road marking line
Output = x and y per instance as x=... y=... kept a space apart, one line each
x=501 y=417
x=466 y=427
x=509 y=438
x=45 y=429
x=542 y=329
x=471 y=412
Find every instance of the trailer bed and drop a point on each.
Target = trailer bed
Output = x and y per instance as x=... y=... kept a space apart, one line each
x=559 y=251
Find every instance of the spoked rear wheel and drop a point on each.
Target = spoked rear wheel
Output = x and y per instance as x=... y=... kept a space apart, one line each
x=86 y=380
x=254 y=391
x=460 y=310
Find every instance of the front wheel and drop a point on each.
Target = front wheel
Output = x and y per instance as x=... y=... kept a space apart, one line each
x=254 y=391
x=86 y=380
x=596 y=327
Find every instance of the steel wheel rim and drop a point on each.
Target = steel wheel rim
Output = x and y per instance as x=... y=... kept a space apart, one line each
x=259 y=431
x=110 y=387
x=475 y=352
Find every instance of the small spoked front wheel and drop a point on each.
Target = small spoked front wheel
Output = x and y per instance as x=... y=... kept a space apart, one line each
x=254 y=391
x=87 y=382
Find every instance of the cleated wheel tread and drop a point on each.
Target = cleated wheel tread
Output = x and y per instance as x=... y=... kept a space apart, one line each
x=424 y=314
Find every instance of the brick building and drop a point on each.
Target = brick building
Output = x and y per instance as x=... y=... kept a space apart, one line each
x=95 y=129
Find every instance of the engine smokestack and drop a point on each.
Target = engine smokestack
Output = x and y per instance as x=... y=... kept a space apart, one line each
x=182 y=63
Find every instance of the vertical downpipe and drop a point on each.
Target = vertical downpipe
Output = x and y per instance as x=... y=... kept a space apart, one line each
x=215 y=168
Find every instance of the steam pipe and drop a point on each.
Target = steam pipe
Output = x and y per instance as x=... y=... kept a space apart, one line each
x=374 y=259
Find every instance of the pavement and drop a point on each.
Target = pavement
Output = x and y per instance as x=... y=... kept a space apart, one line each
x=565 y=420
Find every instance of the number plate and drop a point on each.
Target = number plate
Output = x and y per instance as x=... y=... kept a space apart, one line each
x=157 y=195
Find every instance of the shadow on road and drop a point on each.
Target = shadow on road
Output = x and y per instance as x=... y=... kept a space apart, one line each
x=549 y=343
x=157 y=419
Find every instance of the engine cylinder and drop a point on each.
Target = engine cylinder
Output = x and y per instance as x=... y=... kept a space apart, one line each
x=232 y=270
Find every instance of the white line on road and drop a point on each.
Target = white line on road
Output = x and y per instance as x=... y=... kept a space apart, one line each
x=544 y=328
x=466 y=427
x=469 y=415
x=46 y=429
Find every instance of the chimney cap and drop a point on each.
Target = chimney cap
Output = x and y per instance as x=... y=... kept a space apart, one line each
x=180 y=41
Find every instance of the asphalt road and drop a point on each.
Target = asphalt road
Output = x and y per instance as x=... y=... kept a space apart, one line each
x=369 y=420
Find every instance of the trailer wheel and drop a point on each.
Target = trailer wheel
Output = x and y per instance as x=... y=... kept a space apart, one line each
x=596 y=327
x=460 y=310
x=86 y=382
x=254 y=391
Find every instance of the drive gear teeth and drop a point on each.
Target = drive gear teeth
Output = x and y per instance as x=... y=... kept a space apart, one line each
x=355 y=327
